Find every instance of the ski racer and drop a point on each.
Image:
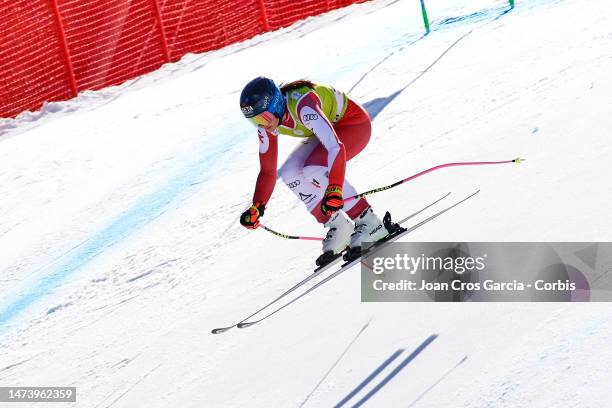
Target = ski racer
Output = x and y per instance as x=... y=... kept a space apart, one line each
x=334 y=129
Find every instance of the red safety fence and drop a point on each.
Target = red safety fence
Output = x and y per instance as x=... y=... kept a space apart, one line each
x=52 y=49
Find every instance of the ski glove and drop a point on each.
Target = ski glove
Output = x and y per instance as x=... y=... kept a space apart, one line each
x=332 y=200
x=250 y=218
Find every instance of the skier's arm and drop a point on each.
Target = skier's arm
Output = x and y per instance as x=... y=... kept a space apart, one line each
x=268 y=155
x=312 y=116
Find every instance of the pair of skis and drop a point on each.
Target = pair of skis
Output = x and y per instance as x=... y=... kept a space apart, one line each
x=246 y=322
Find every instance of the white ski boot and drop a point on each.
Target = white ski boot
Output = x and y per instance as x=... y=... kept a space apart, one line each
x=368 y=228
x=338 y=237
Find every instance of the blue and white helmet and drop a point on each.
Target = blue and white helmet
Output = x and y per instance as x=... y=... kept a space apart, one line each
x=262 y=95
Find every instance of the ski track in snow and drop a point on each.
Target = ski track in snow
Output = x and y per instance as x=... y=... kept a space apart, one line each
x=121 y=250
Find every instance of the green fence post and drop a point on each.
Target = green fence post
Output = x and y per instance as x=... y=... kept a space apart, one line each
x=425 y=19
x=511 y=3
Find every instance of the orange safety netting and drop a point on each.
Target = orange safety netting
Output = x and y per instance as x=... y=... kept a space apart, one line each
x=52 y=49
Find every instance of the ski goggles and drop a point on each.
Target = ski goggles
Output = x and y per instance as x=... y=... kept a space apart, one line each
x=264 y=119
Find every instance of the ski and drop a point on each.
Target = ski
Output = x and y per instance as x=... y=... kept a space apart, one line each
x=316 y=273
x=352 y=263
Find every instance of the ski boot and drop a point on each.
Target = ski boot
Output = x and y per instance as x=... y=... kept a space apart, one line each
x=369 y=228
x=337 y=239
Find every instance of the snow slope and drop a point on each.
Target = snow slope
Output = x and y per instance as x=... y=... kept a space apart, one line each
x=120 y=247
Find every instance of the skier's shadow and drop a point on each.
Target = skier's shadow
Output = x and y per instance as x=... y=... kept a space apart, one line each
x=375 y=106
x=389 y=376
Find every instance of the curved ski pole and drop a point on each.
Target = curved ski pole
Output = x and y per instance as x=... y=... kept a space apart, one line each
x=377 y=190
x=441 y=166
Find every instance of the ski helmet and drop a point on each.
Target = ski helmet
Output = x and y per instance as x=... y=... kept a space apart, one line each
x=262 y=95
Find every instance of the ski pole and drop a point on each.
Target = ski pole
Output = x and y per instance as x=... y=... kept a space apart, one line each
x=278 y=234
x=377 y=190
x=441 y=166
